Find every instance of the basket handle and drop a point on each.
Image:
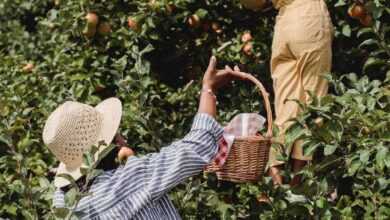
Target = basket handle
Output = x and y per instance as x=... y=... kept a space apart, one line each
x=265 y=95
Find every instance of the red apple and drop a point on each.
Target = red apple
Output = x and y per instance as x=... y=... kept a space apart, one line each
x=124 y=153
x=193 y=21
x=216 y=27
x=132 y=23
x=247 y=48
x=246 y=37
x=28 y=68
x=92 y=19
x=357 y=11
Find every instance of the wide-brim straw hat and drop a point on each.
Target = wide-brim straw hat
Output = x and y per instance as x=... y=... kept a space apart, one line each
x=73 y=128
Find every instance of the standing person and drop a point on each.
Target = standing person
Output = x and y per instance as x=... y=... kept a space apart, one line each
x=301 y=55
x=137 y=190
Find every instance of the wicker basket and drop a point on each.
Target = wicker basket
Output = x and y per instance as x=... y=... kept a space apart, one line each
x=248 y=156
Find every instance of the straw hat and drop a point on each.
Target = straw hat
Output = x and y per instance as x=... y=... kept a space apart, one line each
x=74 y=127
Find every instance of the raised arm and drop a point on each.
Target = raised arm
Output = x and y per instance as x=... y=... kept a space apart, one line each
x=159 y=172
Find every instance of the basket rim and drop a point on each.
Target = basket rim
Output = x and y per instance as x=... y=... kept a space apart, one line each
x=253 y=137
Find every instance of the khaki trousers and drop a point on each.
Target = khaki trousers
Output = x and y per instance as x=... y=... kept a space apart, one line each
x=301 y=54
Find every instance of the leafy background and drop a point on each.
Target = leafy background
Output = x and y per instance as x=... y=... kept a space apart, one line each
x=155 y=71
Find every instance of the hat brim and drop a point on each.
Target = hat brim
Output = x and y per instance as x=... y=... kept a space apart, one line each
x=111 y=110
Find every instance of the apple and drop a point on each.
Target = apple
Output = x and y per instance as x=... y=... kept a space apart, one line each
x=216 y=27
x=246 y=37
x=104 y=28
x=124 y=153
x=92 y=19
x=366 y=20
x=28 y=68
x=357 y=11
x=193 y=21
x=132 y=23
x=247 y=48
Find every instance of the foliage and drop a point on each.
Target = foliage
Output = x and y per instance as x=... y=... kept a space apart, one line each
x=155 y=70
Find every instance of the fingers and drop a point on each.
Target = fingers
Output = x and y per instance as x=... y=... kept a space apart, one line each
x=212 y=64
x=230 y=74
x=240 y=75
x=236 y=68
x=228 y=68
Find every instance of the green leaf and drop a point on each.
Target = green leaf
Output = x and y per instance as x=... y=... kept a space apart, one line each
x=340 y=3
x=321 y=203
x=368 y=42
x=28 y=215
x=309 y=147
x=68 y=178
x=71 y=197
x=202 y=13
x=372 y=61
x=329 y=149
x=355 y=165
x=346 y=31
x=367 y=30
x=10 y=209
x=381 y=156
x=61 y=212
x=364 y=156
x=88 y=159
x=295 y=132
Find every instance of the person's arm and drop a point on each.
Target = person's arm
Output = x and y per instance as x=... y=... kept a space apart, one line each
x=150 y=177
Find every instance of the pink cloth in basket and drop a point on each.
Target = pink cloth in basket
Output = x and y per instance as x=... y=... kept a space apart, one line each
x=244 y=124
x=225 y=143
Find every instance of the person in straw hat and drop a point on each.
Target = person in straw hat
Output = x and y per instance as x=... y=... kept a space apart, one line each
x=138 y=189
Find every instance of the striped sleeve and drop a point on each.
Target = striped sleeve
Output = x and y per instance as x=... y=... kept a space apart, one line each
x=184 y=158
x=59 y=199
x=160 y=172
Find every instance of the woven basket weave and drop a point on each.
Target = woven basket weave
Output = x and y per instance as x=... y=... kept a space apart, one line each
x=248 y=156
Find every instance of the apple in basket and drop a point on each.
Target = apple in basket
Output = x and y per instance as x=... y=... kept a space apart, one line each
x=254 y=5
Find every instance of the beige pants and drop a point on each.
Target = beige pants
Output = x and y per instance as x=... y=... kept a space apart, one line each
x=301 y=54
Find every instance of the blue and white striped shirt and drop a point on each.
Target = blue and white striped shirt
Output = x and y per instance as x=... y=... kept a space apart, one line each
x=138 y=190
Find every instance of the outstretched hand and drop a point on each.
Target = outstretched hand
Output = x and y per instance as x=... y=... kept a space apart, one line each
x=214 y=78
